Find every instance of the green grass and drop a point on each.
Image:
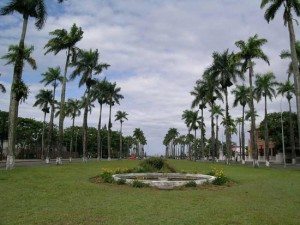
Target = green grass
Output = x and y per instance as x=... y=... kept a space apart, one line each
x=65 y=195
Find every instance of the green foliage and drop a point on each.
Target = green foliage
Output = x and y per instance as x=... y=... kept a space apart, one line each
x=121 y=182
x=139 y=184
x=155 y=164
x=106 y=176
x=274 y=126
x=221 y=179
x=191 y=183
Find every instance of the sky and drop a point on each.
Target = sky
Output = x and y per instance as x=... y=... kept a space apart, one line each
x=157 y=50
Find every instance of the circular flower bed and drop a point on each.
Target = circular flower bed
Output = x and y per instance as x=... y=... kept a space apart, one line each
x=164 y=180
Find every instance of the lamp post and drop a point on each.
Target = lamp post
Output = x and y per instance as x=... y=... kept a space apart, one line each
x=282 y=135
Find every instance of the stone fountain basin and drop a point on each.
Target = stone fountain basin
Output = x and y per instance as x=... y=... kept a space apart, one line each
x=165 y=181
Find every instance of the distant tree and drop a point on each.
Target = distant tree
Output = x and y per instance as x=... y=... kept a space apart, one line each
x=287 y=89
x=43 y=99
x=121 y=116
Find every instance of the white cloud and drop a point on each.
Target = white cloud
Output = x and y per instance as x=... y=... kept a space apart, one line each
x=157 y=50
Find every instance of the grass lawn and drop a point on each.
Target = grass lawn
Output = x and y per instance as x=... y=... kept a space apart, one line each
x=65 y=195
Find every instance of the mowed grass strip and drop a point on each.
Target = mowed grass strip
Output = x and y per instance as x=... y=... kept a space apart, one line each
x=65 y=195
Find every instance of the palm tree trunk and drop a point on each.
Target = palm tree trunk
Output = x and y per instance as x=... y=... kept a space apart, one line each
x=120 y=155
x=212 y=145
x=202 y=131
x=217 y=134
x=14 y=103
x=295 y=65
x=240 y=141
x=43 y=136
x=252 y=111
x=99 y=149
x=62 y=109
x=266 y=134
x=243 y=135
x=292 y=134
x=71 y=142
x=50 y=132
x=85 y=126
x=109 y=133
x=228 y=138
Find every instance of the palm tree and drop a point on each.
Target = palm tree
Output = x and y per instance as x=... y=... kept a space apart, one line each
x=217 y=111
x=73 y=108
x=19 y=92
x=238 y=122
x=287 y=89
x=140 y=139
x=43 y=99
x=99 y=92
x=199 y=100
x=285 y=54
x=242 y=96
x=290 y=7
x=249 y=51
x=212 y=93
x=226 y=66
x=51 y=77
x=2 y=87
x=62 y=40
x=87 y=65
x=37 y=10
x=265 y=85
x=121 y=116
x=113 y=97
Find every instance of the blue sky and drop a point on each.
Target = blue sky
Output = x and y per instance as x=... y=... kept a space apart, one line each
x=156 y=49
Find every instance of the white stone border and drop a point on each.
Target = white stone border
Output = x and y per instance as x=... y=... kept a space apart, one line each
x=160 y=183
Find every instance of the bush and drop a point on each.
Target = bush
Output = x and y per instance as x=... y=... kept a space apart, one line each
x=191 y=183
x=155 y=164
x=106 y=177
x=221 y=179
x=121 y=182
x=139 y=184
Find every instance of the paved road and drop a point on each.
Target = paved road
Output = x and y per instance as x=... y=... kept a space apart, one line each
x=39 y=162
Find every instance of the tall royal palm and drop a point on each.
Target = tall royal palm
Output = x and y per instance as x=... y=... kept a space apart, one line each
x=287 y=89
x=286 y=54
x=113 y=97
x=62 y=40
x=217 y=111
x=242 y=96
x=99 y=93
x=121 y=116
x=187 y=117
x=18 y=92
x=199 y=101
x=27 y=8
x=51 y=77
x=226 y=67
x=86 y=65
x=73 y=108
x=290 y=7
x=212 y=93
x=43 y=99
x=265 y=88
x=251 y=50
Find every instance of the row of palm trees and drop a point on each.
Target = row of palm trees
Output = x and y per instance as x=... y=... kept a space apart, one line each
x=86 y=65
x=103 y=91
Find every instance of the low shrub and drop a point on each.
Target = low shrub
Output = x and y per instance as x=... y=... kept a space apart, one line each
x=121 y=182
x=139 y=184
x=221 y=179
x=106 y=176
x=155 y=164
x=191 y=183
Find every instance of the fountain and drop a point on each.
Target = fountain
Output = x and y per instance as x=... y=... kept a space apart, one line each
x=166 y=181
